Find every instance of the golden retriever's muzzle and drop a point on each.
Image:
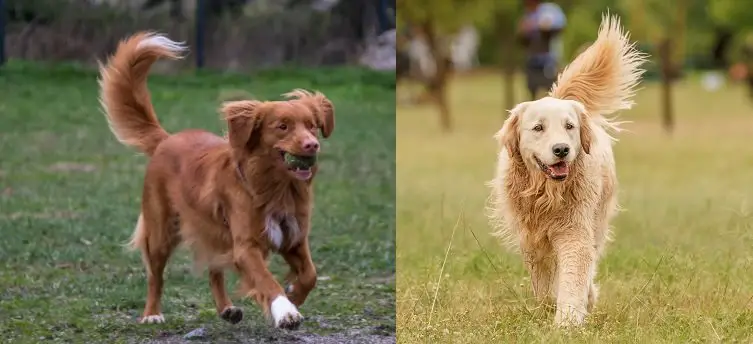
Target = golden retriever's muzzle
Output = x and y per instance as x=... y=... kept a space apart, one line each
x=557 y=172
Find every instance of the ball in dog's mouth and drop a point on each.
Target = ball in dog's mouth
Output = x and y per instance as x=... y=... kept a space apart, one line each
x=300 y=165
x=558 y=171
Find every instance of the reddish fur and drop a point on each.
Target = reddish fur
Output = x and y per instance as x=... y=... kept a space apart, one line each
x=214 y=193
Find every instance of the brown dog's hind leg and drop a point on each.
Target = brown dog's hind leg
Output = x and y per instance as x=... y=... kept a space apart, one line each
x=157 y=240
x=225 y=308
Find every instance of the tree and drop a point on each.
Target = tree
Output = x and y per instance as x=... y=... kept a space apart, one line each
x=435 y=21
x=505 y=25
x=663 y=24
x=735 y=16
x=732 y=14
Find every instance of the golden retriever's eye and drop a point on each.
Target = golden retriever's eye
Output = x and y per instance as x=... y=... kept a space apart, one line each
x=538 y=127
x=569 y=126
x=282 y=127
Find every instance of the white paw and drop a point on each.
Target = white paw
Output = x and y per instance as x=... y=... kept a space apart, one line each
x=285 y=314
x=567 y=315
x=153 y=319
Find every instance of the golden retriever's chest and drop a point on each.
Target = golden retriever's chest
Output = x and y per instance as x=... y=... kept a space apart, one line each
x=536 y=216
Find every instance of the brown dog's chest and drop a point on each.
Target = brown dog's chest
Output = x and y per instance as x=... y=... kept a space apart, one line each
x=281 y=228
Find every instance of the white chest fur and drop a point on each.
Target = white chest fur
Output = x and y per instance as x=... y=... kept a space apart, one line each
x=281 y=227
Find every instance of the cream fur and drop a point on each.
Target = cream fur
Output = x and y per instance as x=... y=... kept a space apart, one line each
x=562 y=226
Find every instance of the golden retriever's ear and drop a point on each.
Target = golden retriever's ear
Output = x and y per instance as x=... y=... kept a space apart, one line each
x=243 y=120
x=322 y=107
x=586 y=134
x=509 y=135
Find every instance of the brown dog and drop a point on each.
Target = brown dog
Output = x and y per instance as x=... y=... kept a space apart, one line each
x=230 y=200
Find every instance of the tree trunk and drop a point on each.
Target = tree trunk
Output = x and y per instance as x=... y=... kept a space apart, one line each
x=509 y=85
x=437 y=83
x=667 y=77
x=507 y=60
x=506 y=40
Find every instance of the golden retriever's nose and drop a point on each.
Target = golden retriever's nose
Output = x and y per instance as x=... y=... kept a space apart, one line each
x=560 y=150
x=311 y=146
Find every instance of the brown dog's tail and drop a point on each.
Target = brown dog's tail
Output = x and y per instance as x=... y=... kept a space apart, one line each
x=604 y=76
x=123 y=92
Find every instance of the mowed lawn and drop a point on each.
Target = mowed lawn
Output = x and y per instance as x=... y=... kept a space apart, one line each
x=70 y=195
x=679 y=270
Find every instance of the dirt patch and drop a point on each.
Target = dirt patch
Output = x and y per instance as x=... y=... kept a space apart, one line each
x=371 y=335
x=41 y=215
x=72 y=167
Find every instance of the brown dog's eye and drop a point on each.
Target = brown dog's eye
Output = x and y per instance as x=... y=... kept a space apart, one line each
x=282 y=126
x=569 y=126
x=538 y=127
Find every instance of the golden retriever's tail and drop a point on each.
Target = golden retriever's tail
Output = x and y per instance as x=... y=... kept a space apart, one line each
x=604 y=76
x=123 y=92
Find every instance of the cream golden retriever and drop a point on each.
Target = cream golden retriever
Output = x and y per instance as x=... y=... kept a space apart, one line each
x=554 y=192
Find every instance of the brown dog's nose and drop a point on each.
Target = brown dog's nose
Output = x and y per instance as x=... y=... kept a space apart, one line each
x=311 y=146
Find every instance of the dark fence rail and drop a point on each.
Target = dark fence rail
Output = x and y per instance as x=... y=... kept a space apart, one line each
x=243 y=36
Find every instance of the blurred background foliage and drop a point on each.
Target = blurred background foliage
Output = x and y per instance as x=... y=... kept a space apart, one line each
x=681 y=37
x=706 y=22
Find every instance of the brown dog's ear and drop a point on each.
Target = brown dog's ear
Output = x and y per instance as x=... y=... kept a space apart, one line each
x=586 y=134
x=320 y=105
x=326 y=114
x=243 y=119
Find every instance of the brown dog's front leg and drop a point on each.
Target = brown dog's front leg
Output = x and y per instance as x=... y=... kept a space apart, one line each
x=225 y=308
x=249 y=258
x=302 y=276
x=260 y=283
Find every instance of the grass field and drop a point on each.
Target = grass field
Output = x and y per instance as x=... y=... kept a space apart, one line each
x=69 y=198
x=679 y=270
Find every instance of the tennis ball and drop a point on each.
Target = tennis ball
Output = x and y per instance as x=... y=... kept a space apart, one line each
x=299 y=161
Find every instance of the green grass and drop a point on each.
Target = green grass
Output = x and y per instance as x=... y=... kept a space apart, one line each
x=679 y=270
x=70 y=195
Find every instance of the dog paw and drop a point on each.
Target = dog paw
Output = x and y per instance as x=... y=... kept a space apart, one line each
x=152 y=319
x=284 y=314
x=232 y=314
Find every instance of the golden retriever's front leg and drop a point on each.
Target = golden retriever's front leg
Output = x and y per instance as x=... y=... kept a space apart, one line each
x=302 y=276
x=576 y=260
x=542 y=270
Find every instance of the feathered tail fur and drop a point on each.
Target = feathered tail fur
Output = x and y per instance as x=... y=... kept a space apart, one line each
x=604 y=76
x=124 y=95
x=126 y=101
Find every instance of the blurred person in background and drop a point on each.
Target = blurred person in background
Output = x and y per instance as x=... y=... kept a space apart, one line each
x=539 y=32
